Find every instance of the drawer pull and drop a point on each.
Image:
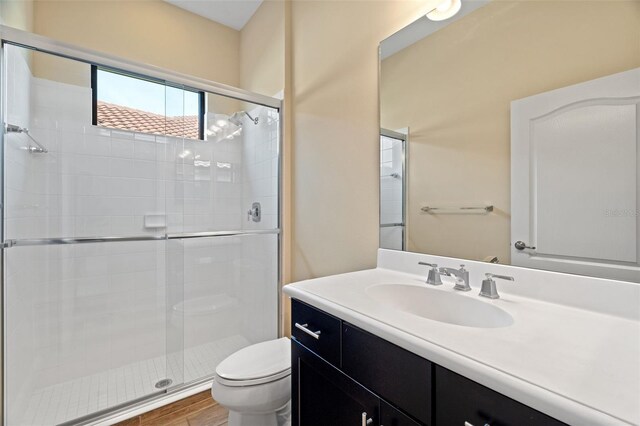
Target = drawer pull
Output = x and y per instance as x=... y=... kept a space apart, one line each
x=471 y=424
x=365 y=420
x=303 y=327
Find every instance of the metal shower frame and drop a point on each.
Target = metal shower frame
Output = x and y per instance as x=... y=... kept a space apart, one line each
x=47 y=45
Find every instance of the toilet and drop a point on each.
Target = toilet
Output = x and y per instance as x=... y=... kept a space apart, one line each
x=254 y=384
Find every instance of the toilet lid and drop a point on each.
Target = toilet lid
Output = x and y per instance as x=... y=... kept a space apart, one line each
x=257 y=361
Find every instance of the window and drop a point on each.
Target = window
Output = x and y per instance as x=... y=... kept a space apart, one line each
x=127 y=102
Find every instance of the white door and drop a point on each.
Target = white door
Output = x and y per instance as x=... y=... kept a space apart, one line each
x=574 y=178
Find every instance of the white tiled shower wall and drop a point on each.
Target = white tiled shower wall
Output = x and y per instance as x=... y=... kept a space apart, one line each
x=78 y=310
x=260 y=166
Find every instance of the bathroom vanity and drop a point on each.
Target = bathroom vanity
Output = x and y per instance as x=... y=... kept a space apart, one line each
x=364 y=378
x=365 y=353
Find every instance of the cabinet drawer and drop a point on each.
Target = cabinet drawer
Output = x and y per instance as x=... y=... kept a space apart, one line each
x=397 y=375
x=460 y=400
x=307 y=321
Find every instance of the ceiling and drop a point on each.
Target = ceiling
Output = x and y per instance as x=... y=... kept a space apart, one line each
x=232 y=13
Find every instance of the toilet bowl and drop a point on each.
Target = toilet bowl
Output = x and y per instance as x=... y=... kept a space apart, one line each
x=254 y=384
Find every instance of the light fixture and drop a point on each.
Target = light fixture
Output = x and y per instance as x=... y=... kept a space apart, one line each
x=445 y=10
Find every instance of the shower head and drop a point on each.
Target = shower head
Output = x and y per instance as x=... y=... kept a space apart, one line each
x=236 y=118
x=38 y=149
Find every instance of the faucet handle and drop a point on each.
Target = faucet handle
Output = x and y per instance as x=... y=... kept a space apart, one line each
x=462 y=283
x=489 y=285
x=434 y=276
x=502 y=277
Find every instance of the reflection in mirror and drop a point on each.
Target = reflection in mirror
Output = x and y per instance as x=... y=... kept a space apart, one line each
x=523 y=142
x=392 y=189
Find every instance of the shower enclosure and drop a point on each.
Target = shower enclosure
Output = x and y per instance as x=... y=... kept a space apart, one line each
x=393 y=183
x=139 y=248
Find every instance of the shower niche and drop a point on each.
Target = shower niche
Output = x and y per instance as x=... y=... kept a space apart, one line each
x=130 y=266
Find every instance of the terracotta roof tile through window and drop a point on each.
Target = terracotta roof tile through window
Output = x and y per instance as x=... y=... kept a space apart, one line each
x=121 y=117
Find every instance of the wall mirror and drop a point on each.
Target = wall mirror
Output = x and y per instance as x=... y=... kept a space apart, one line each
x=510 y=134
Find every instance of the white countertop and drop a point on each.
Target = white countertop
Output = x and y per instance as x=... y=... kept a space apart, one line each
x=577 y=365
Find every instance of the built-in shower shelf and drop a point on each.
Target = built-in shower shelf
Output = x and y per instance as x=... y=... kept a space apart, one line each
x=155 y=221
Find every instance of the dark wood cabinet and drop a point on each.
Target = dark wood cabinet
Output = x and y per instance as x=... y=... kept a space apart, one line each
x=397 y=375
x=325 y=396
x=391 y=416
x=344 y=372
x=461 y=401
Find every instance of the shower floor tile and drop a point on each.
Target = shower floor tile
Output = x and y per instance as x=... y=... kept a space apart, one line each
x=86 y=395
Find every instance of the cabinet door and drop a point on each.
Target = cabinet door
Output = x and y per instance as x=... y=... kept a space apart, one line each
x=322 y=395
x=390 y=416
x=395 y=374
x=460 y=401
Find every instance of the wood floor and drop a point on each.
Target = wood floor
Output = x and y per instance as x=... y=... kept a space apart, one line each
x=197 y=410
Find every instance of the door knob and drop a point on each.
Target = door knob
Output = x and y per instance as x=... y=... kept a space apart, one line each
x=521 y=245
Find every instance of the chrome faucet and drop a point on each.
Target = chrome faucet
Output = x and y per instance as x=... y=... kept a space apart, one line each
x=489 y=285
x=461 y=275
x=434 y=276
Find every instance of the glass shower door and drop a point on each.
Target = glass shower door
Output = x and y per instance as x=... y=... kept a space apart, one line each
x=227 y=231
x=85 y=277
x=135 y=261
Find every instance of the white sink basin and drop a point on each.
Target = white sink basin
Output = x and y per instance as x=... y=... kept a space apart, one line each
x=441 y=306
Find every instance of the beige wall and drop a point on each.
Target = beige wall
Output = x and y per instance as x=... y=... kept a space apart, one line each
x=150 y=31
x=454 y=88
x=335 y=130
x=17 y=14
x=262 y=50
